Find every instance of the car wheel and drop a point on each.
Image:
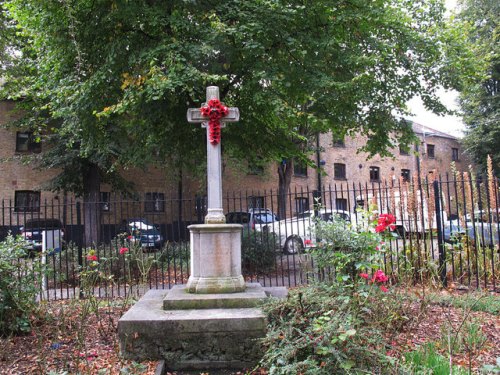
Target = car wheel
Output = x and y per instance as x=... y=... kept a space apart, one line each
x=293 y=245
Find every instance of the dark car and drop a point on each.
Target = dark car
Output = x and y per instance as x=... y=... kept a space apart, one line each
x=144 y=232
x=33 y=229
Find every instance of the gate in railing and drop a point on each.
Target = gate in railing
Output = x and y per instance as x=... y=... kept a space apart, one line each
x=447 y=230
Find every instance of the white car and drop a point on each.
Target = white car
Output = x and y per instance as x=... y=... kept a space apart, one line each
x=297 y=233
x=254 y=218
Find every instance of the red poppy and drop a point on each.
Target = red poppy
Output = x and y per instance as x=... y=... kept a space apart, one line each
x=364 y=275
x=214 y=110
x=123 y=250
x=92 y=258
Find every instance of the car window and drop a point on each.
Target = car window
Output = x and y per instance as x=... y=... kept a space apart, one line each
x=237 y=218
x=344 y=216
x=43 y=224
x=303 y=215
x=264 y=218
x=326 y=216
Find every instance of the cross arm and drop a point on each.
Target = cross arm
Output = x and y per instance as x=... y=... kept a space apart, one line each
x=194 y=115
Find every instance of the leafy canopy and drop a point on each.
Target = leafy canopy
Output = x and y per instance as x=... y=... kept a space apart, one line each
x=112 y=79
x=480 y=98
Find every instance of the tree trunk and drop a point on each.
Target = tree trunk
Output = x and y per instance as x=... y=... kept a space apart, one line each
x=285 y=169
x=91 y=207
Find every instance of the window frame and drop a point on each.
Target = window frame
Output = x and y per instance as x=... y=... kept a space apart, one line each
x=406 y=176
x=338 y=142
x=455 y=154
x=256 y=202
x=429 y=147
x=299 y=169
x=31 y=145
x=341 y=204
x=301 y=205
x=36 y=198
x=342 y=168
x=105 y=201
x=403 y=151
x=374 y=169
x=155 y=202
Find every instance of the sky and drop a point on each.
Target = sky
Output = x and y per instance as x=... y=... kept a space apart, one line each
x=448 y=124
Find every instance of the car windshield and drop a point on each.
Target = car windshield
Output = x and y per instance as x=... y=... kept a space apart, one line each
x=142 y=225
x=264 y=218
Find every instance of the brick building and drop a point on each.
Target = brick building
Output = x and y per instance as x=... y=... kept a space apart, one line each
x=21 y=185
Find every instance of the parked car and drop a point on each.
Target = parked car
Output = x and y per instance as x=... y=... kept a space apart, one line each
x=480 y=231
x=254 y=218
x=297 y=233
x=142 y=231
x=32 y=232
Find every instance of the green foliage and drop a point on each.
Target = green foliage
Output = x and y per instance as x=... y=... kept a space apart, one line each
x=322 y=329
x=258 y=251
x=345 y=248
x=333 y=327
x=480 y=98
x=109 y=82
x=19 y=285
x=467 y=338
x=426 y=360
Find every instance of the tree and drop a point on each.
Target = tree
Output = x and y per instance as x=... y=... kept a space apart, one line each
x=113 y=79
x=480 y=99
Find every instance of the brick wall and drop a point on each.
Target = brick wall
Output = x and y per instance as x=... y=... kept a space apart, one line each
x=14 y=175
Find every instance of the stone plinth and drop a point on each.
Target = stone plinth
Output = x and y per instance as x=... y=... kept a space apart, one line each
x=215 y=259
x=194 y=338
x=178 y=298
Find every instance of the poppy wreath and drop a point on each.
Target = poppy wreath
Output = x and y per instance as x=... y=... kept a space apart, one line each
x=214 y=110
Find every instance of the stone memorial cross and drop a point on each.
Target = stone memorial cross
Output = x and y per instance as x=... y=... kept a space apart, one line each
x=215 y=214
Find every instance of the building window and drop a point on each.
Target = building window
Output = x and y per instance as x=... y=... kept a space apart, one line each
x=27 y=201
x=26 y=142
x=403 y=151
x=301 y=204
x=454 y=154
x=255 y=202
x=430 y=151
x=155 y=202
x=405 y=173
x=339 y=171
x=256 y=167
x=374 y=174
x=338 y=141
x=300 y=169
x=341 y=204
x=105 y=200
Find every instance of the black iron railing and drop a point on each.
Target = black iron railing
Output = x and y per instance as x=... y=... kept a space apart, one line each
x=447 y=230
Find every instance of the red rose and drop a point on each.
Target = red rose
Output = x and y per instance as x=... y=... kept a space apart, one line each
x=379 y=277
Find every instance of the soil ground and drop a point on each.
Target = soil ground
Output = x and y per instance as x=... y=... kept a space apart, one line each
x=73 y=338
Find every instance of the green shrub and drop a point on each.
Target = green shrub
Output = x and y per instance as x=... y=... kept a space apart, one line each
x=20 y=278
x=258 y=251
x=322 y=329
x=350 y=249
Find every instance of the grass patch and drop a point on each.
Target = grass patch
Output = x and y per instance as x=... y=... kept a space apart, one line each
x=476 y=301
x=426 y=360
